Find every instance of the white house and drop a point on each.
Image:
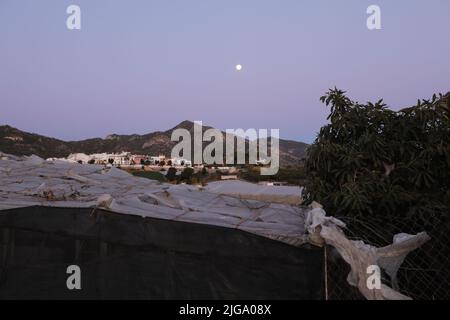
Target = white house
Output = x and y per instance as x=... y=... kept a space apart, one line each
x=118 y=159
x=181 y=162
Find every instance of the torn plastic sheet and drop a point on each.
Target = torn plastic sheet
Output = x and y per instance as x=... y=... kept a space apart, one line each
x=360 y=256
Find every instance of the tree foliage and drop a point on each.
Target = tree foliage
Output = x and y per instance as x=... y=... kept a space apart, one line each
x=171 y=174
x=186 y=174
x=373 y=160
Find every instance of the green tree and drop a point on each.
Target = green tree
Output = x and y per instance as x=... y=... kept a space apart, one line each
x=171 y=174
x=372 y=160
x=186 y=174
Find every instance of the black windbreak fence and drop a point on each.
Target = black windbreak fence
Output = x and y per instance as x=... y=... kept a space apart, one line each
x=130 y=257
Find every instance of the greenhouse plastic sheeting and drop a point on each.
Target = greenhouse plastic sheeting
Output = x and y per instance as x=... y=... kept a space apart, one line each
x=246 y=190
x=31 y=181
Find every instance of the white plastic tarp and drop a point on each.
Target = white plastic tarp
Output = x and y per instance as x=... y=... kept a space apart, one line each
x=30 y=181
x=246 y=190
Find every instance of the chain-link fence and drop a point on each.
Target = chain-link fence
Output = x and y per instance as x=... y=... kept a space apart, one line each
x=424 y=275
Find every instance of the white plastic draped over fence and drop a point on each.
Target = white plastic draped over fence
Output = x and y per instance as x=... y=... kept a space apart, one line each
x=360 y=256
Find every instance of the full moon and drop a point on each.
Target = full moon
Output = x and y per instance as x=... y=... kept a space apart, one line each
x=238 y=67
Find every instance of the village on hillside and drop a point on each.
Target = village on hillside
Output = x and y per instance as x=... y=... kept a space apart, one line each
x=181 y=170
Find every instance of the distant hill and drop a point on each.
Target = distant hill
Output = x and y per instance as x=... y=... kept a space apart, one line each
x=17 y=142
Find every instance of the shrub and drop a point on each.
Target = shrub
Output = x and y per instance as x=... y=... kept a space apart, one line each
x=171 y=174
x=186 y=174
x=372 y=160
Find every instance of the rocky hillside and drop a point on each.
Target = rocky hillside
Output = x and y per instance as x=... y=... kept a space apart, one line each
x=17 y=142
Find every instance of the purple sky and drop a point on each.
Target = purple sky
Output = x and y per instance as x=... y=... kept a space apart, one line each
x=141 y=66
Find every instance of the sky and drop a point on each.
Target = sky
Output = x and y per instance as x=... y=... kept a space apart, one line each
x=142 y=66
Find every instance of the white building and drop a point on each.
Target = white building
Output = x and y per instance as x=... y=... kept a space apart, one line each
x=116 y=159
x=181 y=162
x=120 y=159
x=158 y=159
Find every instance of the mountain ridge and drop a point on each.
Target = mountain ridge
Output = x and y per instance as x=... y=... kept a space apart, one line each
x=17 y=142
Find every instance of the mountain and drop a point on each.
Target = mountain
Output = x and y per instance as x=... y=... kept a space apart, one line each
x=17 y=142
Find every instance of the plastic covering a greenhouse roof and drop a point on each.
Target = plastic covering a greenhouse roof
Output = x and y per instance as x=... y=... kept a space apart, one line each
x=246 y=190
x=31 y=181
